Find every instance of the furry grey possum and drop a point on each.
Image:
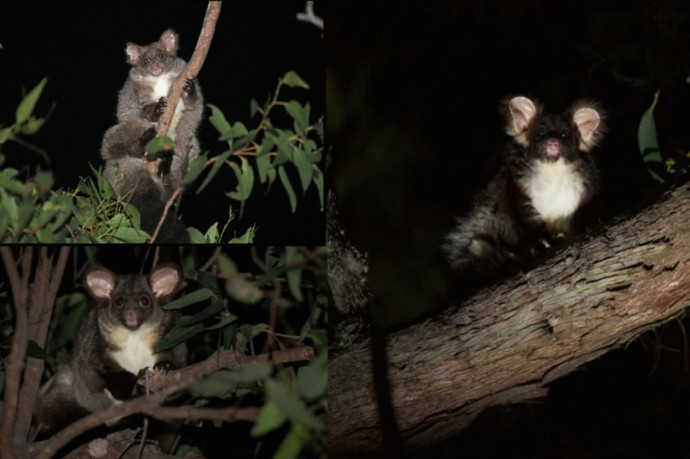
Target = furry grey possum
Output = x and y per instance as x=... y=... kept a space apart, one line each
x=547 y=174
x=114 y=344
x=141 y=101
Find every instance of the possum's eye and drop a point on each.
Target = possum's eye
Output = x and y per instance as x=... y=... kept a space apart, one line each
x=159 y=56
x=119 y=302
x=563 y=134
x=144 y=301
x=540 y=131
x=145 y=61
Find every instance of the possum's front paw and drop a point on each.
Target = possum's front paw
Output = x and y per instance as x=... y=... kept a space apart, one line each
x=148 y=376
x=190 y=87
x=160 y=108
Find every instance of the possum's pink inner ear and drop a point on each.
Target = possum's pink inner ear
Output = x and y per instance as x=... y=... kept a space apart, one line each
x=164 y=281
x=586 y=120
x=522 y=111
x=101 y=284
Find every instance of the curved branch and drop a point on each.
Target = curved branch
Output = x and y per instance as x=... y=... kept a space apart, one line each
x=505 y=344
x=191 y=71
x=173 y=381
x=193 y=66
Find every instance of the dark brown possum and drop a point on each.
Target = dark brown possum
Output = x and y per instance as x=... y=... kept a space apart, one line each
x=546 y=175
x=114 y=344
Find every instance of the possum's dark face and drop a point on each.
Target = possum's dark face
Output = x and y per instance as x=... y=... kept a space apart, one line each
x=132 y=301
x=553 y=137
x=547 y=137
x=155 y=61
x=156 y=58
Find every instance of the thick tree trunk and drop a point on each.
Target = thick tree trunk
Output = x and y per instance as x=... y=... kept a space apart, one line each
x=506 y=343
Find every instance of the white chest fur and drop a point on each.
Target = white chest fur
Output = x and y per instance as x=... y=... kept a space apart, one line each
x=161 y=88
x=134 y=348
x=555 y=189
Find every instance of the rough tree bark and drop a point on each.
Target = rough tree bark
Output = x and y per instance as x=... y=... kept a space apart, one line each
x=506 y=343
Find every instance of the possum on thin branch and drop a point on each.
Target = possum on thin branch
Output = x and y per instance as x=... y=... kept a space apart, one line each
x=114 y=345
x=141 y=102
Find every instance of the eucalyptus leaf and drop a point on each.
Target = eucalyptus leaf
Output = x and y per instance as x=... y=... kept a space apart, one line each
x=215 y=167
x=318 y=182
x=224 y=321
x=245 y=182
x=219 y=122
x=11 y=185
x=294 y=275
x=130 y=235
x=288 y=188
x=202 y=315
x=304 y=168
x=27 y=105
x=176 y=336
x=312 y=380
x=194 y=297
x=648 y=142
x=5 y=134
x=293 y=80
x=196 y=166
x=290 y=405
x=270 y=418
x=158 y=144
x=253 y=108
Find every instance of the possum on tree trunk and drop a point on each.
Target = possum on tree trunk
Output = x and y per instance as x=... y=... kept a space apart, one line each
x=547 y=174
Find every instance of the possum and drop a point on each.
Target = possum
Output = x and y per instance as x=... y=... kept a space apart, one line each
x=141 y=102
x=547 y=174
x=113 y=346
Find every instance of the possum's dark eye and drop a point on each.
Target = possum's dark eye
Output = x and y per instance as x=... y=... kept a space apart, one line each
x=540 y=131
x=159 y=56
x=563 y=134
x=145 y=61
x=144 y=301
x=119 y=302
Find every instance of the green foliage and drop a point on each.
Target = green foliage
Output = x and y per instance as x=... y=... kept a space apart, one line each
x=215 y=316
x=274 y=150
x=661 y=165
x=31 y=212
x=293 y=394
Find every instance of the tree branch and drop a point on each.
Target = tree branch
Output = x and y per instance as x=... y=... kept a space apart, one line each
x=191 y=71
x=47 y=279
x=506 y=343
x=165 y=385
x=15 y=361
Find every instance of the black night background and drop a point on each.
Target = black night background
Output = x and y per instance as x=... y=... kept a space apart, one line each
x=79 y=46
x=412 y=115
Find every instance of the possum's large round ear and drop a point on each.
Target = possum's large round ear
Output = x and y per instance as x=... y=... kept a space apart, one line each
x=169 y=41
x=589 y=120
x=165 y=281
x=100 y=282
x=520 y=113
x=133 y=53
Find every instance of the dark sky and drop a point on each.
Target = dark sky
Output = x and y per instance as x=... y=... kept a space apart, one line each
x=79 y=46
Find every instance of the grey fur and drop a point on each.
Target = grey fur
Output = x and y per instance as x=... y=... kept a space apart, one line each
x=80 y=387
x=141 y=101
x=506 y=224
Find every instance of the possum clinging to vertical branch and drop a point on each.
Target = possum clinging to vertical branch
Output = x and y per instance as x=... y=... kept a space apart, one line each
x=141 y=102
x=114 y=344
x=547 y=174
